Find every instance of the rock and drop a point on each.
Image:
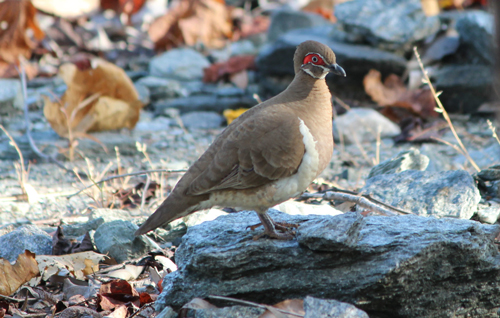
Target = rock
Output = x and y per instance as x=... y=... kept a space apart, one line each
x=205 y=103
x=154 y=124
x=226 y=312
x=360 y=125
x=489 y=214
x=168 y=312
x=438 y=160
x=285 y=20
x=110 y=214
x=160 y=88
x=476 y=29
x=392 y=25
x=182 y=64
x=404 y=160
x=465 y=87
x=26 y=237
x=244 y=47
x=440 y=194
x=202 y=120
x=315 y=307
x=117 y=239
x=11 y=95
x=144 y=95
x=276 y=60
x=490 y=174
x=403 y=266
x=75 y=230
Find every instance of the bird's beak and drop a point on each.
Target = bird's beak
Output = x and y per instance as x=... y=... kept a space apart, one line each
x=337 y=70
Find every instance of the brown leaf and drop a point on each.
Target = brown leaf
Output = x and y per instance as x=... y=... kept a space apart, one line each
x=117 y=291
x=192 y=21
x=62 y=245
x=234 y=65
x=295 y=306
x=13 y=276
x=100 y=98
x=392 y=92
x=322 y=7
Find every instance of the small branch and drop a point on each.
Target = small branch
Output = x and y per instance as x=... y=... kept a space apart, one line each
x=141 y=309
x=249 y=303
x=28 y=125
x=360 y=199
x=443 y=110
x=144 y=192
x=125 y=175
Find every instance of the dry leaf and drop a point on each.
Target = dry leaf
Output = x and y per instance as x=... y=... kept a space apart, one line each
x=295 y=306
x=130 y=272
x=13 y=276
x=322 y=7
x=78 y=264
x=192 y=21
x=99 y=98
x=392 y=92
x=16 y=17
x=234 y=65
x=67 y=9
x=232 y=114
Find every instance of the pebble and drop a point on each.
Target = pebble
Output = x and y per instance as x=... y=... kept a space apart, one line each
x=182 y=64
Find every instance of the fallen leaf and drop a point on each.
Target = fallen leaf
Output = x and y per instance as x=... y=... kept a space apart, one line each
x=99 y=98
x=117 y=292
x=322 y=7
x=247 y=24
x=16 y=17
x=67 y=9
x=13 y=276
x=130 y=272
x=62 y=245
x=119 y=312
x=393 y=93
x=295 y=306
x=190 y=22
x=235 y=64
x=232 y=114
x=77 y=265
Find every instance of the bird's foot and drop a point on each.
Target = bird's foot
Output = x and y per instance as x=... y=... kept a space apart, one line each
x=271 y=228
x=276 y=235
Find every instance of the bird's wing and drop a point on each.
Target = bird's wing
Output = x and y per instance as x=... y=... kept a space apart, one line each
x=260 y=149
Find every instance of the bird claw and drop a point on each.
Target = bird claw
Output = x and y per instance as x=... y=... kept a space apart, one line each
x=276 y=235
x=286 y=228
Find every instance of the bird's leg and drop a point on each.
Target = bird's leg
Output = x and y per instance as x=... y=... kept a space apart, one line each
x=270 y=228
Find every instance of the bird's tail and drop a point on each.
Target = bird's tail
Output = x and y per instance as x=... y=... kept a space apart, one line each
x=172 y=208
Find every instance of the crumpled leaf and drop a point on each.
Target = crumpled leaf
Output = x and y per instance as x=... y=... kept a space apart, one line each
x=77 y=265
x=62 y=245
x=13 y=276
x=16 y=17
x=322 y=7
x=234 y=65
x=295 y=306
x=191 y=21
x=232 y=114
x=67 y=9
x=117 y=292
x=393 y=93
x=97 y=99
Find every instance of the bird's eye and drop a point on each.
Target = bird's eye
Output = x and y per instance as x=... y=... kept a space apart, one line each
x=314 y=59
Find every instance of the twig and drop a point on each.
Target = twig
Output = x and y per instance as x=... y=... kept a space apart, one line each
x=360 y=199
x=28 y=124
x=125 y=175
x=17 y=300
x=443 y=110
x=493 y=130
x=146 y=187
x=341 y=102
x=141 y=309
x=249 y=303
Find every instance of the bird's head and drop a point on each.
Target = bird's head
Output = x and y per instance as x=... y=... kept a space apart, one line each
x=316 y=60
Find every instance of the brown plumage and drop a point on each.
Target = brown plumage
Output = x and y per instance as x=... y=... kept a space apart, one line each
x=269 y=154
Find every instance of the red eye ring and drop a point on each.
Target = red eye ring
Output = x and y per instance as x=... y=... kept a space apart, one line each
x=314 y=58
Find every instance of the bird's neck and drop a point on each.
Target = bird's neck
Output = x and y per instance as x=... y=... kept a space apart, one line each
x=308 y=89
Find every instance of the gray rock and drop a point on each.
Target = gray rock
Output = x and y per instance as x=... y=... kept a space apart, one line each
x=276 y=59
x=202 y=120
x=168 y=312
x=465 y=87
x=11 y=96
x=160 y=88
x=182 y=64
x=154 y=125
x=362 y=124
x=476 y=36
x=26 y=237
x=227 y=312
x=110 y=214
x=405 y=266
x=285 y=20
x=439 y=194
x=75 y=230
x=143 y=91
x=489 y=214
x=485 y=157
x=393 y=25
x=315 y=307
x=490 y=174
x=205 y=103
x=117 y=239
x=243 y=47
x=404 y=160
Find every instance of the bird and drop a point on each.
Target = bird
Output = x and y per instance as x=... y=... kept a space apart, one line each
x=269 y=154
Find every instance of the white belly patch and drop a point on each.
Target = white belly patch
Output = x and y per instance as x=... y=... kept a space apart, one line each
x=280 y=190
